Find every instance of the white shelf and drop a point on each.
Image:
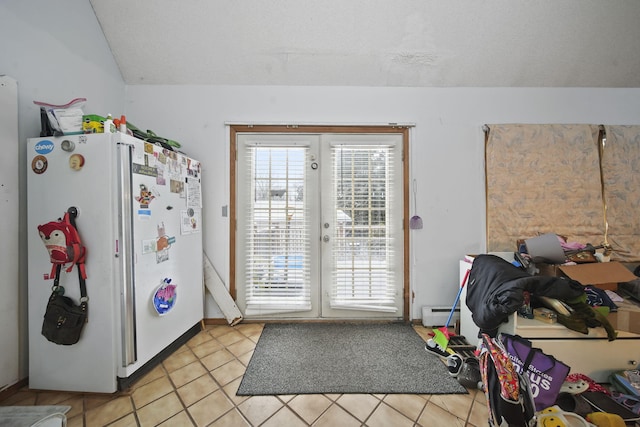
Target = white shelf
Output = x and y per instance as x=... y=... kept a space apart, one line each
x=532 y=328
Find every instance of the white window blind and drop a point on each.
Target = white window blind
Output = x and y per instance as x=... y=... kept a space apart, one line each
x=363 y=252
x=276 y=231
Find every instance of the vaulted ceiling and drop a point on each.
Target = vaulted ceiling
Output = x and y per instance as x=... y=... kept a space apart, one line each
x=411 y=43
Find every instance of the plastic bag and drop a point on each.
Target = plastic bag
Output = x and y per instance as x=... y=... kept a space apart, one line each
x=61 y=119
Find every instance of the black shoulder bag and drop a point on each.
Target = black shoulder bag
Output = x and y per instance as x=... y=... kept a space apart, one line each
x=63 y=319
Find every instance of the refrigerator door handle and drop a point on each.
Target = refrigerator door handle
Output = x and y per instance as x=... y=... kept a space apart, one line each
x=127 y=281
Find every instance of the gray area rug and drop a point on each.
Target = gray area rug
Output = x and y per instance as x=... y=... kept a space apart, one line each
x=36 y=416
x=316 y=358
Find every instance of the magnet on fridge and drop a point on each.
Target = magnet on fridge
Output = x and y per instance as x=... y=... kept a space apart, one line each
x=39 y=164
x=76 y=161
x=164 y=298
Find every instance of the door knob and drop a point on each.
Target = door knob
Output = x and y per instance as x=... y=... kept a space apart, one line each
x=325 y=238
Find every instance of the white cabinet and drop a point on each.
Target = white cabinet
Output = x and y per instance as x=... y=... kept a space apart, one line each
x=592 y=355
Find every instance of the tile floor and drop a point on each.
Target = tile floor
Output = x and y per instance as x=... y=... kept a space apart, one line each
x=196 y=386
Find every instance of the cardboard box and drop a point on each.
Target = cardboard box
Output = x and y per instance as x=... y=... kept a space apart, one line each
x=604 y=275
x=627 y=318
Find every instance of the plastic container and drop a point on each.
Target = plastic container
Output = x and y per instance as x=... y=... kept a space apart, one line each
x=123 y=124
x=109 y=127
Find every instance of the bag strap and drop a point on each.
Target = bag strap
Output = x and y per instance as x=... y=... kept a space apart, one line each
x=73 y=213
x=527 y=361
x=78 y=251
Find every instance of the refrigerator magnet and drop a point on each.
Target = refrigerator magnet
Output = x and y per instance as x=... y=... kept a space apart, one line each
x=76 y=161
x=39 y=164
x=164 y=298
x=145 y=197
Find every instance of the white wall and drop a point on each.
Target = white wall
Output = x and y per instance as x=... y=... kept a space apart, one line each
x=56 y=52
x=447 y=149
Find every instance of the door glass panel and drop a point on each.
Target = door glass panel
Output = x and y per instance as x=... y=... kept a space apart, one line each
x=275 y=228
x=364 y=275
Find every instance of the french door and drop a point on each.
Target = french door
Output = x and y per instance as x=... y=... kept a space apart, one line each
x=319 y=225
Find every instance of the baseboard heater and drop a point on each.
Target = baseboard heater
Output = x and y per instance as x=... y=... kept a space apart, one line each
x=437 y=316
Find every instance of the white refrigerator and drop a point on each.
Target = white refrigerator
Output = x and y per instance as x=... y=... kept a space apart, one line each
x=139 y=217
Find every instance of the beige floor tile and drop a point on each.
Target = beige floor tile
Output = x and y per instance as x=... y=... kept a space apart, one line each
x=127 y=421
x=258 y=408
x=457 y=404
x=411 y=405
x=241 y=347
x=219 y=330
x=21 y=398
x=231 y=419
x=77 y=405
x=207 y=348
x=423 y=332
x=52 y=397
x=94 y=400
x=182 y=348
x=77 y=421
x=479 y=415
x=181 y=419
x=199 y=338
x=197 y=389
x=109 y=412
x=284 y=417
x=159 y=410
x=217 y=359
x=332 y=397
x=230 y=338
x=152 y=391
x=359 y=405
x=309 y=406
x=231 y=389
x=179 y=360
x=246 y=358
x=384 y=416
x=157 y=372
x=434 y=415
x=336 y=416
x=250 y=330
x=209 y=409
x=229 y=372
x=187 y=373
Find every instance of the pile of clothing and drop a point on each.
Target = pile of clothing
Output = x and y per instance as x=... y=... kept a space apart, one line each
x=497 y=289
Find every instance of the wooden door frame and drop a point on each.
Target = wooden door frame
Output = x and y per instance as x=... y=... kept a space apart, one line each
x=321 y=129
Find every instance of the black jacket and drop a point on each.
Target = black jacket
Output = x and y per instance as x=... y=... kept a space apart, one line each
x=495 y=290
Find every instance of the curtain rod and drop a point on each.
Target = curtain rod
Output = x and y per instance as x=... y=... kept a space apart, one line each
x=294 y=125
x=486 y=128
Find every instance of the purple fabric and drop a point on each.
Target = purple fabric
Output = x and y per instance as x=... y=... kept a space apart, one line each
x=545 y=373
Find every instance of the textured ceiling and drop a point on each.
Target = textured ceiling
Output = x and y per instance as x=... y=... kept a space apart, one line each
x=413 y=43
